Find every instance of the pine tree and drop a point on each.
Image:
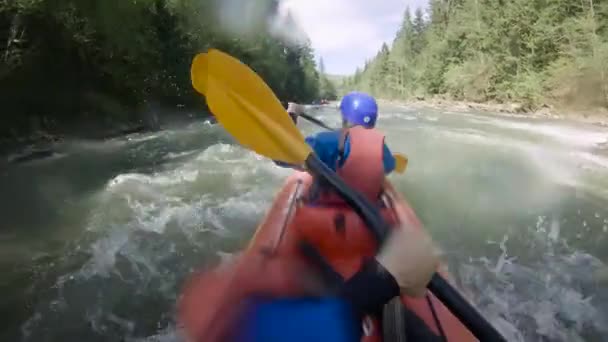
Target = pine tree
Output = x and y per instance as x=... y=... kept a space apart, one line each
x=530 y=51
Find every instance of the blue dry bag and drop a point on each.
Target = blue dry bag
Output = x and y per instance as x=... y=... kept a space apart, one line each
x=298 y=319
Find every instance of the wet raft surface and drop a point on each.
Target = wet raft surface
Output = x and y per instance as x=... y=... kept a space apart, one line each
x=96 y=239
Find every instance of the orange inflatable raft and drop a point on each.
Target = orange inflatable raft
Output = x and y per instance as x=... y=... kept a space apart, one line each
x=341 y=243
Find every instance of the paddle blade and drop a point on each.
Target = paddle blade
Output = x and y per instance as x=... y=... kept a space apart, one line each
x=198 y=73
x=249 y=110
x=400 y=162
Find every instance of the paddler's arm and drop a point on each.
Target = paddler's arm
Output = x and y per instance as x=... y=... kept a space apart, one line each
x=311 y=141
x=294 y=110
x=370 y=288
x=405 y=265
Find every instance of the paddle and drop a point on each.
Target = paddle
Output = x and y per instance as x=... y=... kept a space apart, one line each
x=198 y=74
x=247 y=108
x=400 y=160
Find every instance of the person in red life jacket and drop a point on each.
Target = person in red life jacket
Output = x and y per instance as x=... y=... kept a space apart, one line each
x=265 y=298
x=356 y=152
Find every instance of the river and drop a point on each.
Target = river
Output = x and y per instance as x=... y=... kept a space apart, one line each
x=96 y=240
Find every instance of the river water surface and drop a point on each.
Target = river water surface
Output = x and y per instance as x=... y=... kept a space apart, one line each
x=96 y=240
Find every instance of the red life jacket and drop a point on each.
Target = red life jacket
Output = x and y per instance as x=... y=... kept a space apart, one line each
x=363 y=170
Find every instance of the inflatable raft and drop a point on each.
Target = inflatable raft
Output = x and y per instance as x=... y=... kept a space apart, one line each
x=341 y=243
x=295 y=239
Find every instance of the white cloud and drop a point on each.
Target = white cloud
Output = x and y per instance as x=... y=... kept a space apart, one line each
x=347 y=32
x=332 y=25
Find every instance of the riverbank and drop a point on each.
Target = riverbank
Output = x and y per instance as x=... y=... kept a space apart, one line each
x=42 y=143
x=595 y=116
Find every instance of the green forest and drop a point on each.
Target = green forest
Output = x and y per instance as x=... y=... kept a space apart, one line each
x=92 y=65
x=532 y=52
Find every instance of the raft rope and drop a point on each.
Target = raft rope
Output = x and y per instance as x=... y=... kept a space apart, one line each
x=293 y=201
x=436 y=318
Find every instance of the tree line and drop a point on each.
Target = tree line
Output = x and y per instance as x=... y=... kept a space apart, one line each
x=535 y=52
x=105 y=61
x=327 y=88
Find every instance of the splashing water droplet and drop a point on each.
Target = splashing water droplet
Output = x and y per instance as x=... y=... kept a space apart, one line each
x=554 y=232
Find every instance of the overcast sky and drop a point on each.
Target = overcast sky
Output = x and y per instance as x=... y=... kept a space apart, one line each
x=347 y=32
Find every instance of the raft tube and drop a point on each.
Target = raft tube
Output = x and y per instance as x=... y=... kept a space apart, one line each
x=344 y=246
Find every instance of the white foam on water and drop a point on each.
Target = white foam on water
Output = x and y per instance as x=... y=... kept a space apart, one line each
x=247 y=204
x=561 y=165
x=223 y=152
x=469 y=136
x=542 y=300
x=175 y=155
x=158 y=205
x=104 y=252
x=168 y=334
x=102 y=322
x=138 y=137
x=394 y=115
x=577 y=137
x=594 y=159
x=139 y=215
x=134 y=179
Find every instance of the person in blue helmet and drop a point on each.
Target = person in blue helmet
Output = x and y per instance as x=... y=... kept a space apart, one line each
x=357 y=109
x=370 y=159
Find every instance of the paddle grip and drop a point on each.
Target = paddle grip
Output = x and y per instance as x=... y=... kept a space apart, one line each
x=443 y=290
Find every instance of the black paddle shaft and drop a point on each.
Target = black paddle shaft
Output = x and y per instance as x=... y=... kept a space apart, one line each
x=445 y=292
x=316 y=121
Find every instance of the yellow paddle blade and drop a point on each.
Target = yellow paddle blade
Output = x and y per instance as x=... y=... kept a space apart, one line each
x=400 y=162
x=198 y=73
x=248 y=109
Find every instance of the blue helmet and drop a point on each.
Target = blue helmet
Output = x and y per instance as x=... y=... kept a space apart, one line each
x=359 y=109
